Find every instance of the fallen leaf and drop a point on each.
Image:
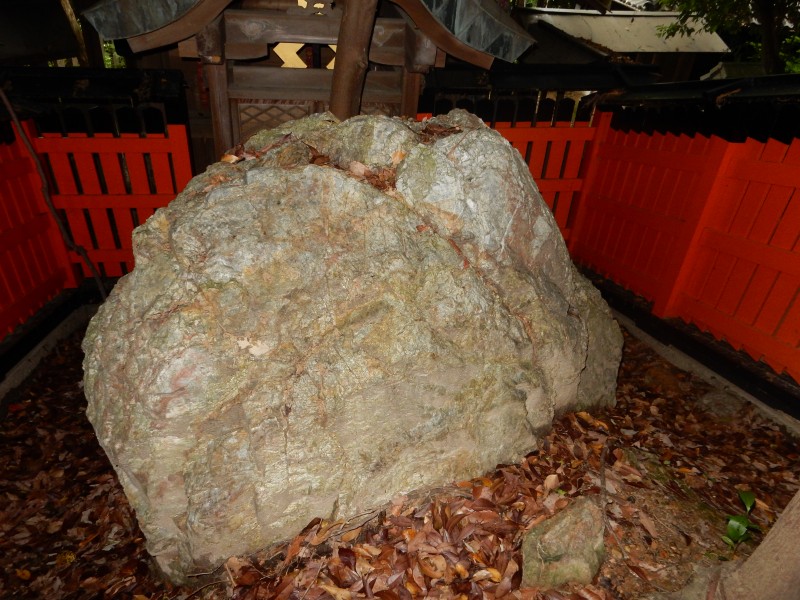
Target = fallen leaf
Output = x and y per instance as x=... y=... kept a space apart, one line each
x=551 y=482
x=648 y=523
x=326 y=530
x=488 y=573
x=337 y=592
x=432 y=565
x=359 y=169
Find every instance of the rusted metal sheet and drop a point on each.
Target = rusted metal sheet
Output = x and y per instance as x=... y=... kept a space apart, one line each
x=110 y=21
x=116 y=19
x=481 y=24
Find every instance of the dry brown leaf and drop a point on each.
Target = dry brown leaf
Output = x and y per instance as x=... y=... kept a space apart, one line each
x=349 y=536
x=367 y=550
x=487 y=573
x=551 y=482
x=359 y=169
x=648 y=523
x=432 y=565
x=326 y=530
x=462 y=569
x=337 y=592
x=397 y=157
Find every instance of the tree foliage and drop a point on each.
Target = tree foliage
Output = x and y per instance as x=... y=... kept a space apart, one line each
x=775 y=19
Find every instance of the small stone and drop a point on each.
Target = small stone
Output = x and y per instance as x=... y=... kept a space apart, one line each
x=567 y=548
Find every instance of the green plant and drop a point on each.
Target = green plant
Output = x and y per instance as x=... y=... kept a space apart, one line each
x=740 y=526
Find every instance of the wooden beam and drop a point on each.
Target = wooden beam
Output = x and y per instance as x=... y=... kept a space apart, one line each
x=210 y=41
x=441 y=36
x=83 y=56
x=248 y=34
x=420 y=51
x=252 y=82
x=351 y=57
x=412 y=87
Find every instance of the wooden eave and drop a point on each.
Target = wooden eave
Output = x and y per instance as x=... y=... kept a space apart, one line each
x=205 y=11
x=194 y=20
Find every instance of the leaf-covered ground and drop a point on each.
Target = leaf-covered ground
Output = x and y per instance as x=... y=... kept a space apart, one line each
x=666 y=463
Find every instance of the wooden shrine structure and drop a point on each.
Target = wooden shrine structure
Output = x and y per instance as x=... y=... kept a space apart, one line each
x=250 y=91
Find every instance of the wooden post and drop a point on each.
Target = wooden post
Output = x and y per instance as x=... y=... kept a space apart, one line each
x=211 y=50
x=352 y=50
x=83 y=56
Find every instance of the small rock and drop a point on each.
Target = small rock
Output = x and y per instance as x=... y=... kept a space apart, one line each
x=663 y=380
x=721 y=404
x=568 y=548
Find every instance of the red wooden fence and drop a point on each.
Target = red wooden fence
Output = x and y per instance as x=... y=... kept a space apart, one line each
x=108 y=185
x=33 y=266
x=707 y=230
x=103 y=186
x=741 y=281
x=555 y=155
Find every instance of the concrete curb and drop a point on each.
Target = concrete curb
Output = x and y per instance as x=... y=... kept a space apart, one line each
x=26 y=365
x=687 y=363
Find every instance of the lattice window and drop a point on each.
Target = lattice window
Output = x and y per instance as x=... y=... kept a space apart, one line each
x=255 y=116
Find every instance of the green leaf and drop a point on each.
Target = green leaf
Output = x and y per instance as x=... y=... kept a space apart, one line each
x=737 y=528
x=748 y=498
x=753 y=526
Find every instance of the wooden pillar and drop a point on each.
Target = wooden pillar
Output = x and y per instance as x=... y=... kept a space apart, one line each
x=352 y=51
x=210 y=49
x=412 y=87
x=420 y=54
x=221 y=122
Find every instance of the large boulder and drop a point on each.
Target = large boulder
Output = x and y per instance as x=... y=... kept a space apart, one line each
x=350 y=311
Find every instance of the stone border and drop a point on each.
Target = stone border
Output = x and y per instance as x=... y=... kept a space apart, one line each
x=26 y=365
x=687 y=363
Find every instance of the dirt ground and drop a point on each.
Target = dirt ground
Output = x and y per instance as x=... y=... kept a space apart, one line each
x=666 y=463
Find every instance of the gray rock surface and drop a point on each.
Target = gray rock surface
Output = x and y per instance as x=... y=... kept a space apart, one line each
x=305 y=336
x=567 y=548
